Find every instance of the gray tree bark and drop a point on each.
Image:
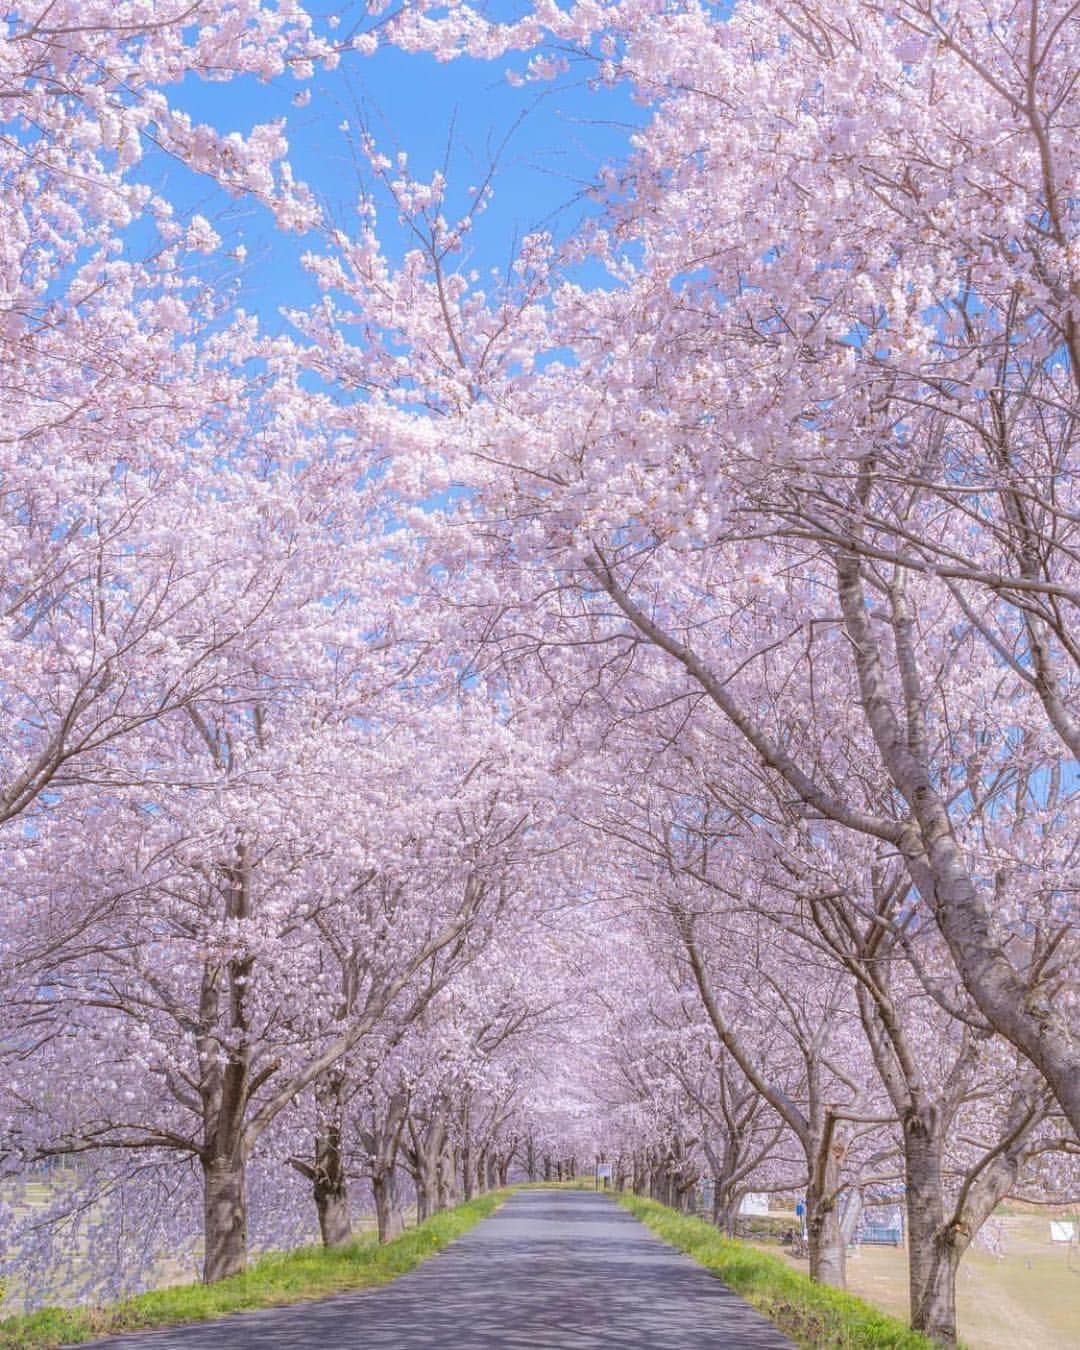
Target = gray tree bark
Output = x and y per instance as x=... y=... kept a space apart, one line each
x=389 y=1217
x=224 y=1217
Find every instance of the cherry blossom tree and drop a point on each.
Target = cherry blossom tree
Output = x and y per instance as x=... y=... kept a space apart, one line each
x=749 y=424
x=620 y=707
x=125 y=386
x=211 y=959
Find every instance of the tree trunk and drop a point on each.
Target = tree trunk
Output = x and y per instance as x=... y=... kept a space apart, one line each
x=685 y=1192
x=331 y=1188
x=381 y=1142
x=424 y=1191
x=726 y=1211
x=468 y=1172
x=925 y=1217
x=935 y=1313
x=445 y=1176
x=335 y=1223
x=224 y=1218
x=852 y=1213
x=424 y=1160
x=828 y=1257
x=388 y=1215
x=330 y=1185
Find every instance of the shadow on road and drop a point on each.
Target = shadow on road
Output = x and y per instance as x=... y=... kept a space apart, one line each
x=550 y=1269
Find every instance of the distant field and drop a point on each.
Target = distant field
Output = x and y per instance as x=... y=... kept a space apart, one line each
x=1030 y=1297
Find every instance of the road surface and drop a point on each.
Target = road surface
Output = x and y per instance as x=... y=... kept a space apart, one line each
x=550 y=1269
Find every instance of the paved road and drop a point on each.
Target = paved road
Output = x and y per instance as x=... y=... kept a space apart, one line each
x=550 y=1269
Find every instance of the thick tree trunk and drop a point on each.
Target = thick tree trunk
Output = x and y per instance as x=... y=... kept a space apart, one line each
x=726 y=1195
x=424 y=1158
x=935 y=1313
x=335 y=1222
x=425 y=1193
x=388 y=1215
x=933 y=1305
x=938 y=1239
x=725 y=1213
x=445 y=1172
x=330 y=1185
x=224 y=1218
x=382 y=1141
x=828 y=1255
x=468 y=1180
x=423 y=1200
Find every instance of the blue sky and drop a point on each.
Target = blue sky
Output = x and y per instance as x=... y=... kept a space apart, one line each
x=416 y=104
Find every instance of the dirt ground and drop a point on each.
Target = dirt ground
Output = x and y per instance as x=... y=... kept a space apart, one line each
x=1028 y=1298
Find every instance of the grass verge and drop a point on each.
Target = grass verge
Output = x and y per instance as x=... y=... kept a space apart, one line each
x=813 y=1315
x=275 y=1279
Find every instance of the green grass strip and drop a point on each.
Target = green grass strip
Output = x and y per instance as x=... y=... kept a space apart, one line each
x=275 y=1279
x=813 y=1315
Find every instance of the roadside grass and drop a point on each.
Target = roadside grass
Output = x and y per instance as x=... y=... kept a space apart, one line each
x=814 y=1316
x=274 y=1279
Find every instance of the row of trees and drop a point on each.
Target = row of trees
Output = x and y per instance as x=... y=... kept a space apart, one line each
x=261 y=849
x=784 y=516
x=511 y=718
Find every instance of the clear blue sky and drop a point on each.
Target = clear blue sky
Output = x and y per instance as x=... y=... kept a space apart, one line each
x=416 y=104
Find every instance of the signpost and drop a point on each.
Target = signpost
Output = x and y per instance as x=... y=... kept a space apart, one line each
x=604 y=1173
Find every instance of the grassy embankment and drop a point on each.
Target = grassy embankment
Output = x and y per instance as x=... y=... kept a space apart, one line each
x=275 y=1279
x=814 y=1316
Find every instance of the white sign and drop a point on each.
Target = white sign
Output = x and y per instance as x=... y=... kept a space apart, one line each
x=754 y=1203
x=604 y=1171
x=1061 y=1230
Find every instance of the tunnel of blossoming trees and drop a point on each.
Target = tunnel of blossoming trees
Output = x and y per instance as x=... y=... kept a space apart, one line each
x=491 y=683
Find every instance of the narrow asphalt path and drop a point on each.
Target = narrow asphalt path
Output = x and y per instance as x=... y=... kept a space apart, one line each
x=550 y=1269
